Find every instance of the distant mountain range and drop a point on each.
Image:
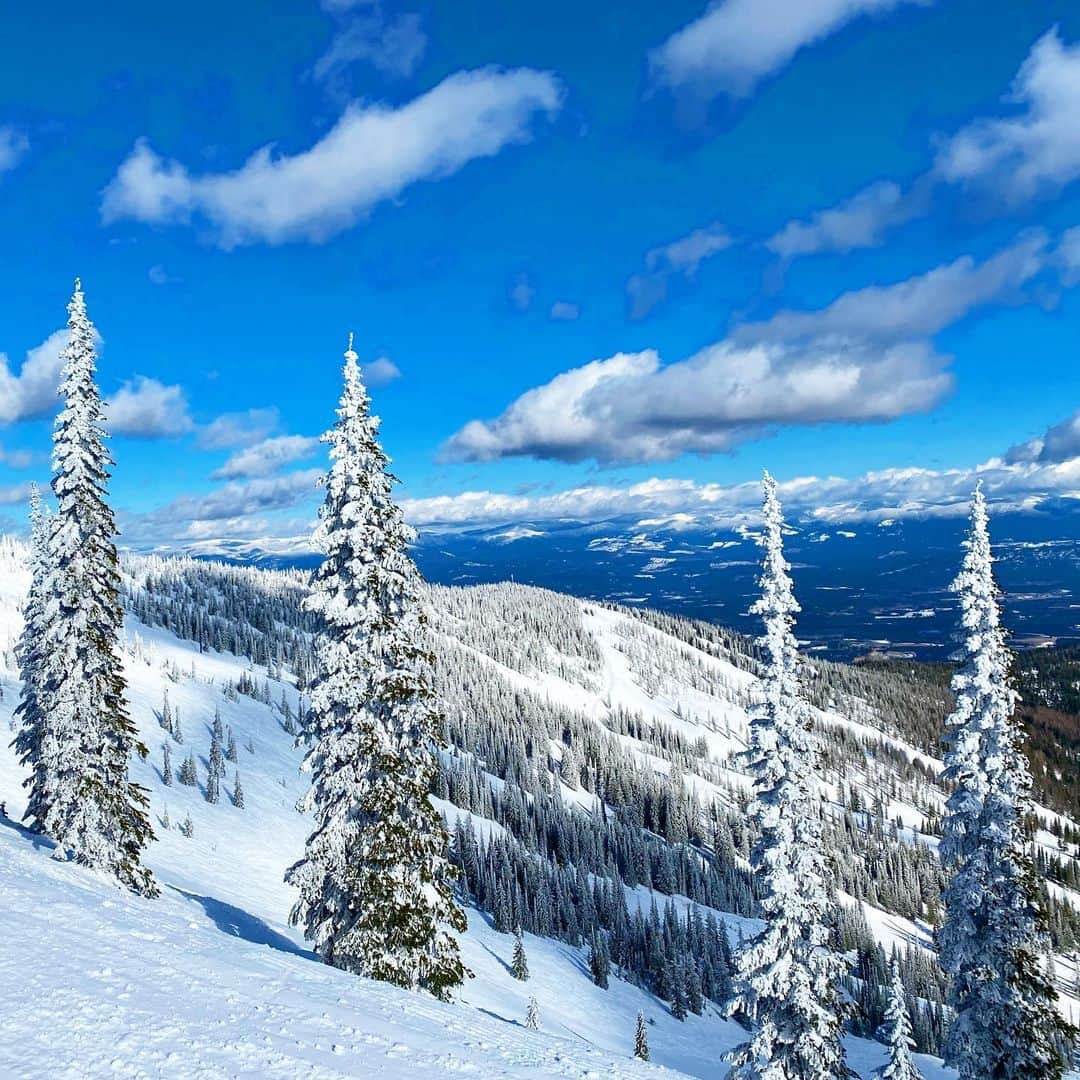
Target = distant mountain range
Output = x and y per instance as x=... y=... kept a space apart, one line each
x=871 y=587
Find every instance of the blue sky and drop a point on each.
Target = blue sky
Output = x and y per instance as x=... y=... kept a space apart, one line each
x=599 y=258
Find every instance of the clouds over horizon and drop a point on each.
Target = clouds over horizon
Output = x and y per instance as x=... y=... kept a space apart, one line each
x=371 y=155
x=866 y=357
x=737 y=43
x=872 y=497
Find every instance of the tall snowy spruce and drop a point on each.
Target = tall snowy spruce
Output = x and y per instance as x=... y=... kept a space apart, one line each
x=787 y=977
x=96 y=815
x=375 y=882
x=993 y=939
x=901 y=1065
x=33 y=743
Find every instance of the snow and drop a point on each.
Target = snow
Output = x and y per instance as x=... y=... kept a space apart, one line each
x=210 y=980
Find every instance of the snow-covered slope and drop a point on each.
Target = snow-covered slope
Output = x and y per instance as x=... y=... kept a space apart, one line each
x=210 y=979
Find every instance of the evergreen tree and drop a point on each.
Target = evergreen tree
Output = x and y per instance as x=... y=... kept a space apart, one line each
x=787 y=976
x=213 y=787
x=166 y=765
x=519 y=965
x=238 y=793
x=375 y=882
x=641 y=1038
x=216 y=765
x=599 y=963
x=230 y=750
x=97 y=815
x=1006 y=1022
x=901 y=1065
x=35 y=743
x=188 y=774
x=532 y=1016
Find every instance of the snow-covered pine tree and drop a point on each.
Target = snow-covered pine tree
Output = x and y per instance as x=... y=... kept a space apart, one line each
x=641 y=1038
x=532 y=1015
x=375 y=882
x=188 y=773
x=1006 y=1021
x=238 y=793
x=519 y=965
x=230 y=749
x=787 y=977
x=166 y=765
x=34 y=743
x=216 y=765
x=901 y=1065
x=213 y=786
x=97 y=815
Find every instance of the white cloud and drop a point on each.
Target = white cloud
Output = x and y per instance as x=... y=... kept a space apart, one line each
x=919 y=306
x=866 y=357
x=268 y=456
x=647 y=290
x=629 y=408
x=392 y=45
x=158 y=275
x=238 y=429
x=370 y=156
x=1036 y=150
x=147 y=409
x=1057 y=444
x=876 y=496
x=32 y=392
x=521 y=292
x=16 y=459
x=859 y=222
x=14 y=494
x=736 y=43
x=13 y=147
x=564 y=311
x=380 y=371
x=226 y=511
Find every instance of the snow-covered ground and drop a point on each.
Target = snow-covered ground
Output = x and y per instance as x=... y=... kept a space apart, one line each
x=210 y=980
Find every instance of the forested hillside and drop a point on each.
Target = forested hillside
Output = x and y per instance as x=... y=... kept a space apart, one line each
x=594 y=787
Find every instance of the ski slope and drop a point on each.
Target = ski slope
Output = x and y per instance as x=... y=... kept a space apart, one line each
x=210 y=980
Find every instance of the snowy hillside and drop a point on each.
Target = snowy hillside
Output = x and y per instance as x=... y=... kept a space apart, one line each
x=211 y=980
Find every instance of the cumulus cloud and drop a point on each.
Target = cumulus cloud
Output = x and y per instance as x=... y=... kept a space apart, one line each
x=859 y=222
x=629 y=408
x=648 y=290
x=1057 y=444
x=225 y=511
x=32 y=392
x=380 y=371
x=919 y=306
x=871 y=497
x=238 y=429
x=736 y=43
x=147 y=409
x=867 y=357
x=371 y=155
x=1037 y=149
x=13 y=147
x=268 y=456
x=1033 y=152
